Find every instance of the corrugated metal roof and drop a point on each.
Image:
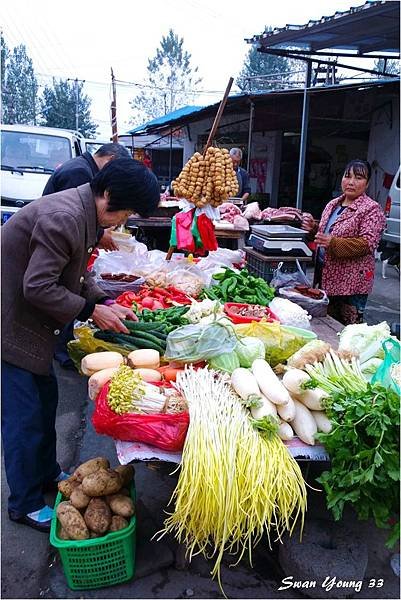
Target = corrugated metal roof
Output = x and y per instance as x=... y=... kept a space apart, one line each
x=371 y=27
x=165 y=119
x=235 y=102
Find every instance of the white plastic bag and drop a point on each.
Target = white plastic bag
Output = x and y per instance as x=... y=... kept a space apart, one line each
x=315 y=307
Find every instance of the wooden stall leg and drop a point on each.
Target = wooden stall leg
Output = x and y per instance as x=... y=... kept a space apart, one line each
x=170 y=252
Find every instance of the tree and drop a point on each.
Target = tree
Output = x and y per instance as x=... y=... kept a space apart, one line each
x=58 y=107
x=19 y=86
x=4 y=58
x=172 y=81
x=259 y=64
x=392 y=66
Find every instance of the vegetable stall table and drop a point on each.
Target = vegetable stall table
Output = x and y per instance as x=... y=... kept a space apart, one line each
x=326 y=329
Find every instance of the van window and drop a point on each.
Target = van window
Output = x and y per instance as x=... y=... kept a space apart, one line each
x=33 y=151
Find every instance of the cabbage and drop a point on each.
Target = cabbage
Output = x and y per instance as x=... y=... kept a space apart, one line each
x=364 y=339
x=226 y=362
x=249 y=349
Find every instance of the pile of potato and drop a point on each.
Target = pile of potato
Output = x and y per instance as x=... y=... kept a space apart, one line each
x=208 y=179
x=97 y=500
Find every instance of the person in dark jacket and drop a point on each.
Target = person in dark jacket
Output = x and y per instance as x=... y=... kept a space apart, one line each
x=45 y=284
x=74 y=172
x=82 y=169
x=242 y=175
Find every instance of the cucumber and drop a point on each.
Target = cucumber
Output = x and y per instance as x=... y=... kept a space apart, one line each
x=142 y=343
x=140 y=335
x=141 y=325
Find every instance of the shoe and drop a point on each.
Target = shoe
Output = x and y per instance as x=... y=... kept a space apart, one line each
x=52 y=486
x=40 y=519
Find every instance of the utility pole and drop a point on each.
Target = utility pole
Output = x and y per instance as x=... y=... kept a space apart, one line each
x=114 y=131
x=76 y=87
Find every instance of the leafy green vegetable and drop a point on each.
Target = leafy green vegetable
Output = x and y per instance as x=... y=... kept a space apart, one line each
x=363 y=446
x=249 y=349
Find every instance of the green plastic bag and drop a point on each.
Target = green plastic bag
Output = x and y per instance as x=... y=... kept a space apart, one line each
x=385 y=374
x=173 y=235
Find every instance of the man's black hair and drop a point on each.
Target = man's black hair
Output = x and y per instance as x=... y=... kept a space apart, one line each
x=360 y=167
x=131 y=186
x=116 y=150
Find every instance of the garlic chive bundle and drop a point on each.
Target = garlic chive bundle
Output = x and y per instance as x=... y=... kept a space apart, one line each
x=235 y=483
x=208 y=179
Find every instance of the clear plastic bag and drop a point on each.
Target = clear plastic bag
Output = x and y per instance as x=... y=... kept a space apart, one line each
x=315 y=307
x=193 y=343
x=284 y=279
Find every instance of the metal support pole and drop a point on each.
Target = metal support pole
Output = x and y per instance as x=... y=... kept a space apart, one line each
x=251 y=117
x=170 y=162
x=304 y=136
x=76 y=105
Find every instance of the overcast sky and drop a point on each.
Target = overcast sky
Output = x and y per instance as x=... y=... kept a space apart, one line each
x=84 y=39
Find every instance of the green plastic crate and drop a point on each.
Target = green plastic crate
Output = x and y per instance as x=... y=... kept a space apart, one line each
x=99 y=562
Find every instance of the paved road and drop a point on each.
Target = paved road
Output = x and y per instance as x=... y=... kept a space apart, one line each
x=30 y=568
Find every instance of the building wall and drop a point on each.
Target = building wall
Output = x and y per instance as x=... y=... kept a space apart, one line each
x=384 y=148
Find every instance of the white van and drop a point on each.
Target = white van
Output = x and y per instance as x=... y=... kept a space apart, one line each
x=29 y=155
x=392 y=211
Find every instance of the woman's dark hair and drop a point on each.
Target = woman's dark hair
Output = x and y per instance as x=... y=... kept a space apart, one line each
x=131 y=186
x=360 y=167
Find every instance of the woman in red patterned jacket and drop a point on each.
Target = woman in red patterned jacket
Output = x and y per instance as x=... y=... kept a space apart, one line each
x=349 y=233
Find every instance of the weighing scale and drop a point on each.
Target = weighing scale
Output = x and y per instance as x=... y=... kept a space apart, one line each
x=279 y=240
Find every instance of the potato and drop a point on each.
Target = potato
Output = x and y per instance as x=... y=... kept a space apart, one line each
x=93 y=534
x=91 y=466
x=102 y=483
x=98 y=515
x=118 y=523
x=72 y=521
x=62 y=534
x=79 y=499
x=67 y=486
x=127 y=473
x=121 y=505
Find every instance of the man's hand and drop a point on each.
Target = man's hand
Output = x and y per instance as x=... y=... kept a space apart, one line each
x=106 y=241
x=106 y=318
x=123 y=312
x=323 y=240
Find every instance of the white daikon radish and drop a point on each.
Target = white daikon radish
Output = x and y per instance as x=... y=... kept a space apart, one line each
x=312 y=399
x=145 y=358
x=149 y=375
x=266 y=409
x=285 y=431
x=269 y=383
x=98 y=380
x=97 y=361
x=293 y=380
x=245 y=384
x=322 y=421
x=287 y=411
x=304 y=424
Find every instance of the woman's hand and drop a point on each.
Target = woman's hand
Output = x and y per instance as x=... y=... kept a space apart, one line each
x=323 y=240
x=106 y=318
x=106 y=241
x=308 y=222
x=123 y=312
